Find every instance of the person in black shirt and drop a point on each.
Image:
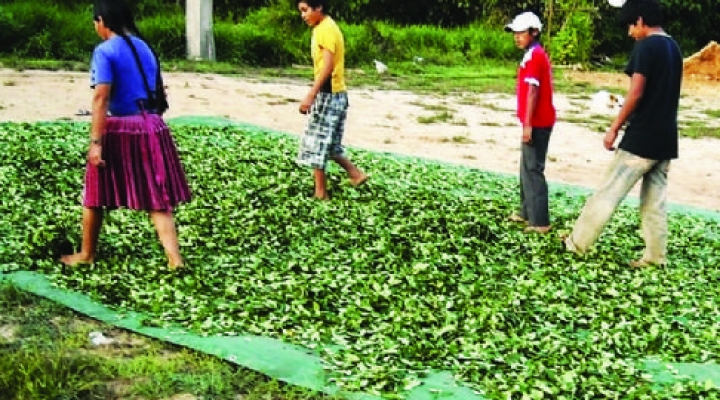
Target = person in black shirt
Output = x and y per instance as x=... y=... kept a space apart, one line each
x=650 y=141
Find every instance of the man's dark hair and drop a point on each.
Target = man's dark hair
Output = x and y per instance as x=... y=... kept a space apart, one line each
x=538 y=34
x=649 y=10
x=325 y=4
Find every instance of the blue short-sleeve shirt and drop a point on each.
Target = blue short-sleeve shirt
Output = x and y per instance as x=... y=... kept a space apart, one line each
x=113 y=63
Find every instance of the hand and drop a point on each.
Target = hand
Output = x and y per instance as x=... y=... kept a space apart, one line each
x=95 y=155
x=306 y=104
x=527 y=135
x=610 y=138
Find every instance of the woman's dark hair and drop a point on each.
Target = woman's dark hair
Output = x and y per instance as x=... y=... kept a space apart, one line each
x=116 y=15
x=317 y=3
x=649 y=10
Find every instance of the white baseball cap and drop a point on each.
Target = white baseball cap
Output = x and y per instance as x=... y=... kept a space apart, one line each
x=523 y=22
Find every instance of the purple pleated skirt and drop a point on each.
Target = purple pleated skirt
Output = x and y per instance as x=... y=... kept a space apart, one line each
x=142 y=168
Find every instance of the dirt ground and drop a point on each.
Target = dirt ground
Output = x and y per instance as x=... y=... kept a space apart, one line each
x=480 y=131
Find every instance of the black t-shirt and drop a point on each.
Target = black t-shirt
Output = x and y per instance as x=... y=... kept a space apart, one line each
x=652 y=130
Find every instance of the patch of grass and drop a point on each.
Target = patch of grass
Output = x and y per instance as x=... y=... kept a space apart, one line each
x=580 y=96
x=712 y=113
x=432 y=107
x=595 y=122
x=45 y=354
x=442 y=117
x=459 y=122
x=494 y=107
x=490 y=123
x=469 y=101
x=458 y=139
x=281 y=102
x=698 y=128
x=277 y=98
x=572 y=119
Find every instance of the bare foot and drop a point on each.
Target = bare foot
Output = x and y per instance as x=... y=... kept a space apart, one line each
x=359 y=180
x=538 y=229
x=75 y=259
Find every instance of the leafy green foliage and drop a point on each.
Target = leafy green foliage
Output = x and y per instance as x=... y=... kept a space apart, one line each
x=417 y=270
x=35 y=30
x=166 y=33
x=270 y=32
x=573 y=43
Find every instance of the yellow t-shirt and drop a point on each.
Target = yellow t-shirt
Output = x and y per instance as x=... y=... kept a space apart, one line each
x=327 y=35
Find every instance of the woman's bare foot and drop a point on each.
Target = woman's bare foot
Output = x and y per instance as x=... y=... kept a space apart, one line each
x=176 y=267
x=75 y=259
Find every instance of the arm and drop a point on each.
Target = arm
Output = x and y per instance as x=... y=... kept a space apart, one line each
x=635 y=93
x=101 y=99
x=532 y=97
x=325 y=74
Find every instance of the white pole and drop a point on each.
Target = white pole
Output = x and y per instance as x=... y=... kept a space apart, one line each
x=199 y=30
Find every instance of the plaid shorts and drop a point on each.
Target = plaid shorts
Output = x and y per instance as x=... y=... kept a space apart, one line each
x=324 y=133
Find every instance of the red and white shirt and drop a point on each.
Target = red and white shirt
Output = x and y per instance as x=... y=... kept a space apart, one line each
x=535 y=70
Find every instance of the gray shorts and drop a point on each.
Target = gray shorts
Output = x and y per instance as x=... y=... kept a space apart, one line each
x=324 y=133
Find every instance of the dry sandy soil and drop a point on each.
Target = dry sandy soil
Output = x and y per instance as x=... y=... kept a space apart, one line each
x=481 y=132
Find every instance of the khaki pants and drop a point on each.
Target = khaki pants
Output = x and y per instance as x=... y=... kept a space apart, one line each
x=624 y=172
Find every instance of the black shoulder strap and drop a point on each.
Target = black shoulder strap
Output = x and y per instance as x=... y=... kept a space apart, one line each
x=150 y=93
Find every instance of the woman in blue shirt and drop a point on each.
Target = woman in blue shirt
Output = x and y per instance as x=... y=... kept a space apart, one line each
x=132 y=158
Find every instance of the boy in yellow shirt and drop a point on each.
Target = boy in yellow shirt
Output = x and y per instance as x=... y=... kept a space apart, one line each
x=327 y=100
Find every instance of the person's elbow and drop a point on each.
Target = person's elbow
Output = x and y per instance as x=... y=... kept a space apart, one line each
x=101 y=96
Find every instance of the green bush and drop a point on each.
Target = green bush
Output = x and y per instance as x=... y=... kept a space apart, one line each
x=574 y=42
x=359 y=45
x=285 y=24
x=433 y=44
x=489 y=42
x=246 y=45
x=37 y=30
x=166 y=34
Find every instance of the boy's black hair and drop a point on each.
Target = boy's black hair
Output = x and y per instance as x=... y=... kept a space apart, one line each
x=649 y=10
x=536 y=37
x=325 y=4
